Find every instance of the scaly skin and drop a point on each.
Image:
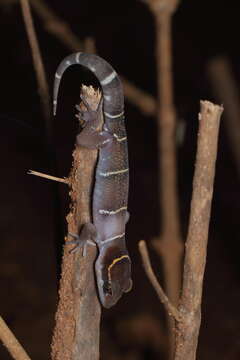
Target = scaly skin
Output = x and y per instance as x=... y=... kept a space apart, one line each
x=110 y=195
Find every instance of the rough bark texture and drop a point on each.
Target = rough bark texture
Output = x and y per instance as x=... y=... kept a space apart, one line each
x=196 y=244
x=76 y=335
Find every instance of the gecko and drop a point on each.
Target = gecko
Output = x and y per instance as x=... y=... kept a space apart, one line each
x=110 y=192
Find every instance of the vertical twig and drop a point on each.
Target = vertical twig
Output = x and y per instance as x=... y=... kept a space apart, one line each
x=76 y=335
x=38 y=65
x=196 y=244
x=227 y=92
x=11 y=343
x=169 y=244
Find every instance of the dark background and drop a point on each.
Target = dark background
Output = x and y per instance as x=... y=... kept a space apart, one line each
x=31 y=237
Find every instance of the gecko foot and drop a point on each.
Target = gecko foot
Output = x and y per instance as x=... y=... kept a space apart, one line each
x=79 y=243
x=86 y=237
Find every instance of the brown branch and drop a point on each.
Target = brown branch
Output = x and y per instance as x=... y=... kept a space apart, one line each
x=49 y=177
x=163 y=7
x=171 y=310
x=145 y=102
x=227 y=92
x=169 y=245
x=38 y=64
x=11 y=343
x=76 y=335
x=89 y=45
x=56 y=26
x=196 y=244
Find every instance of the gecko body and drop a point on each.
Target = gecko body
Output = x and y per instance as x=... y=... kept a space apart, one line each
x=110 y=193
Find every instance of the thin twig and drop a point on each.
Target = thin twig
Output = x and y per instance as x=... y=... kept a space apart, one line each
x=144 y=101
x=89 y=45
x=226 y=89
x=56 y=26
x=171 y=310
x=50 y=177
x=196 y=244
x=76 y=334
x=169 y=244
x=38 y=64
x=11 y=343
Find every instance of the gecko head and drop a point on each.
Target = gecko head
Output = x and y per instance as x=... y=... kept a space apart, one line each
x=113 y=271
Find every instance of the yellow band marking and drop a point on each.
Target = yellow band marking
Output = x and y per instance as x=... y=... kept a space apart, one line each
x=113 y=263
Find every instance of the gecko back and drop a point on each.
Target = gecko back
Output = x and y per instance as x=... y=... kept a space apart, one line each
x=110 y=193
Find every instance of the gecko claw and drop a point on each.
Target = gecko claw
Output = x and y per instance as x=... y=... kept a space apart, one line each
x=79 y=243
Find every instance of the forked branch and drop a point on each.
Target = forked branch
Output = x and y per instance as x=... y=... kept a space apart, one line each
x=188 y=314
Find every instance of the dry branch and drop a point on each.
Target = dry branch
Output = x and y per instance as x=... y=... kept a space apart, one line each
x=169 y=245
x=38 y=64
x=56 y=26
x=11 y=343
x=49 y=177
x=227 y=92
x=196 y=244
x=76 y=335
x=145 y=102
x=171 y=310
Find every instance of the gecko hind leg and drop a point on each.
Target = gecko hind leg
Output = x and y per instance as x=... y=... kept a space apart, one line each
x=86 y=237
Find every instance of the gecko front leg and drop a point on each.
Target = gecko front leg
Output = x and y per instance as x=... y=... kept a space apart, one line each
x=86 y=237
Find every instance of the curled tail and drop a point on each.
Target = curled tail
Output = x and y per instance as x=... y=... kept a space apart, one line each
x=113 y=101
